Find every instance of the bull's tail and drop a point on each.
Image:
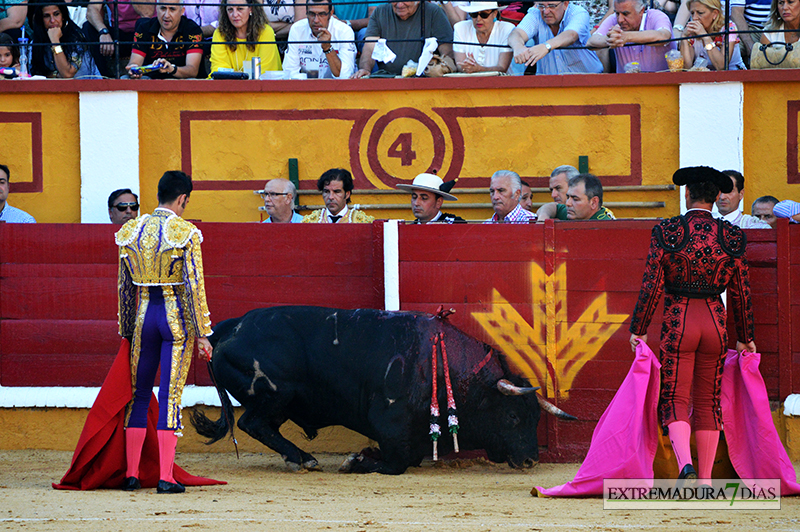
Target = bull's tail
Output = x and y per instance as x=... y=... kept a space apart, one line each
x=215 y=430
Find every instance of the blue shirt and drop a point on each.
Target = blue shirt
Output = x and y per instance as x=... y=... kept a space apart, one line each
x=353 y=11
x=13 y=215
x=296 y=219
x=563 y=60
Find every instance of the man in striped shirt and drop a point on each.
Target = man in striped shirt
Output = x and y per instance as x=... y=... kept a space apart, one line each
x=749 y=15
x=505 y=190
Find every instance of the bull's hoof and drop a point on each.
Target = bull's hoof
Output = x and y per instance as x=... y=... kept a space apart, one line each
x=349 y=462
x=294 y=467
x=312 y=465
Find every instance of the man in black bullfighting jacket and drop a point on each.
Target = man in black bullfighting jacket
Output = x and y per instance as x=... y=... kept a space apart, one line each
x=693 y=259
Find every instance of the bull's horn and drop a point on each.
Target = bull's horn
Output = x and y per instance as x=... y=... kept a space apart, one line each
x=553 y=409
x=506 y=388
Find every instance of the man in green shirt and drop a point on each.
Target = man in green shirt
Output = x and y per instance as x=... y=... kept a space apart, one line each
x=584 y=202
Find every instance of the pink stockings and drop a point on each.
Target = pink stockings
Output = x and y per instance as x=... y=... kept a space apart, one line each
x=134 y=440
x=707 y=440
x=679 y=434
x=167 y=441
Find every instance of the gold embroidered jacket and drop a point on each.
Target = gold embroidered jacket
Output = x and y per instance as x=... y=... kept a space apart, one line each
x=353 y=216
x=161 y=249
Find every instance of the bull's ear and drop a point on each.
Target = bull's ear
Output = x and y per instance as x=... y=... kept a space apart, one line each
x=506 y=388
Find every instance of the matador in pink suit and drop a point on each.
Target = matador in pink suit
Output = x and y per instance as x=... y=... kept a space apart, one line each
x=693 y=259
x=163 y=309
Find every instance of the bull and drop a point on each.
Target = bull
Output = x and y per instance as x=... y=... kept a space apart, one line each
x=369 y=371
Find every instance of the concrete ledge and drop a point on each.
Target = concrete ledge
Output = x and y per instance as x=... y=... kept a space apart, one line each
x=59 y=428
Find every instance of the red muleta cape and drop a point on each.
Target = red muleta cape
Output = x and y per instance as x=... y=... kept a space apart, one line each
x=625 y=439
x=99 y=460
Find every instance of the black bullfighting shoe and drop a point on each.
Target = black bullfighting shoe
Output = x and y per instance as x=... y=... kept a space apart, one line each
x=169 y=487
x=687 y=477
x=131 y=483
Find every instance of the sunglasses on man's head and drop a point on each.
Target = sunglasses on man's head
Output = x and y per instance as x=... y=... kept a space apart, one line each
x=483 y=14
x=121 y=207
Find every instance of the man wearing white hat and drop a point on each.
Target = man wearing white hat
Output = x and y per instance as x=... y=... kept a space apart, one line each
x=428 y=193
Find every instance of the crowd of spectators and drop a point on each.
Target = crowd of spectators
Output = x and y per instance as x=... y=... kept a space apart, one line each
x=323 y=38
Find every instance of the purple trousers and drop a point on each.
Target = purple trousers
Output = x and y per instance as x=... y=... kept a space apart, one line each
x=157 y=343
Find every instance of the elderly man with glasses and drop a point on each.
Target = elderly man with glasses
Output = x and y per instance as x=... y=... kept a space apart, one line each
x=328 y=59
x=123 y=205
x=279 y=195
x=554 y=28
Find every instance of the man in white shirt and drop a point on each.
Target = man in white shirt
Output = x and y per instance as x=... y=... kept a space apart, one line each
x=328 y=59
x=728 y=205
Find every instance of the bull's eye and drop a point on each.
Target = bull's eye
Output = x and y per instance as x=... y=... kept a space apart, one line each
x=513 y=419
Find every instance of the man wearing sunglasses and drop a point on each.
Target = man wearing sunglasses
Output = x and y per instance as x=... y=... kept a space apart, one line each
x=123 y=205
x=554 y=28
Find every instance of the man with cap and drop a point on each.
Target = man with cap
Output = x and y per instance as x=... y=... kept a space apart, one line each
x=693 y=259
x=428 y=193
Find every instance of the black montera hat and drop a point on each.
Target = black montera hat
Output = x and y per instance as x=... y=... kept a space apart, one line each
x=701 y=174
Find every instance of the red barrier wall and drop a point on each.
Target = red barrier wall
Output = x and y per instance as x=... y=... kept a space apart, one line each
x=554 y=297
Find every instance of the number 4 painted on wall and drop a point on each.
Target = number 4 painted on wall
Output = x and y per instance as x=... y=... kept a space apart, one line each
x=401 y=149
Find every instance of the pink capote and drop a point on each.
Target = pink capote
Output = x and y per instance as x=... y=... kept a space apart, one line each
x=625 y=439
x=754 y=447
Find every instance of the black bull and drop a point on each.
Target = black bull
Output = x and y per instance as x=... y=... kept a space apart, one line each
x=369 y=371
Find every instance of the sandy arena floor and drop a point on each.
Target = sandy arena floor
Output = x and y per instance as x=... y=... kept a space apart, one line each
x=262 y=495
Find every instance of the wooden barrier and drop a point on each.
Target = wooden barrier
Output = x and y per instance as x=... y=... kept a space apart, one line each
x=555 y=298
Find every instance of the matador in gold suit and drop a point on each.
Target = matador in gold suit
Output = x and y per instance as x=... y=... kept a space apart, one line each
x=163 y=309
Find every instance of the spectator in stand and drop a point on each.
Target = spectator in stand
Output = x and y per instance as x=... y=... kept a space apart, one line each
x=553 y=28
x=749 y=15
x=12 y=17
x=123 y=205
x=559 y=182
x=98 y=28
x=707 y=17
x=168 y=40
x=204 y=13
x=278 y=196
x=281 y=14
x=783 y=15
x=484 y=29
x=243 y=21
x=525 y=198
x=788 y=209
x=329 y=60
x=9 y=54
x=403 y=21
x=69 y=55
x=728 y=205
x=763 y=210
x=336 y=186
x=505 y=190
x=584 y=202
x=634 y=25
x=355 y=15
x=428 y=194
x=8 y=213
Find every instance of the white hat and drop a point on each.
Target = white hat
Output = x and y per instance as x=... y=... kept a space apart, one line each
x=476 y=7
x=433 y=183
